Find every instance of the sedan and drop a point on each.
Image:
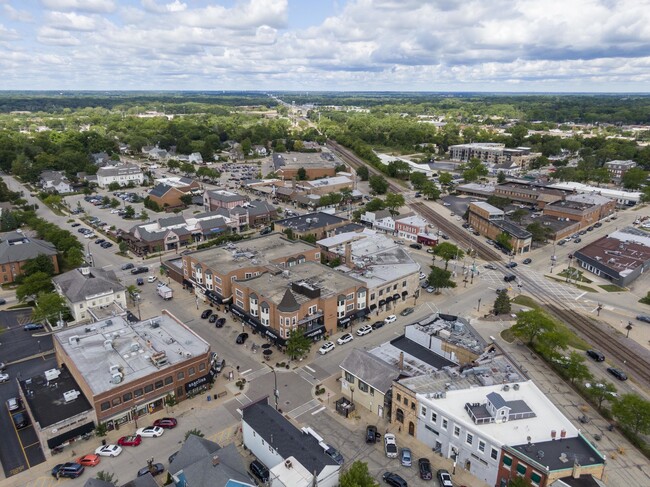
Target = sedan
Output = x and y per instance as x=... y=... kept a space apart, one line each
x=150 y=432
x=75 y=225
x=431 y=289
x=167 y=423
x=33 y=327
x=220 y=322
x=644 y=318
x=492 y=267
x=108 y=451
x=444 y=478
x=345 y=339
x=394 y=480
x=390 y=319
x=511 y=265
x=213 y=318
x=89 y=460
x=619 y=374
x=577 y=240
x=327 y=347
x=100 y=240
x=241 y=338
x=377 y=324
x=364 y=330
x=407 y=311
x=405 y=457
x=424 y=466
x=106 y=245
x=206 y=314
x=4 y=378
x=128 y=266
x=132 y=440
x=154 y=469
x=526 y=261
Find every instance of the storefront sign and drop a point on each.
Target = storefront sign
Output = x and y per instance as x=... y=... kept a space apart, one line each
x=201 y=381
x=316 y=332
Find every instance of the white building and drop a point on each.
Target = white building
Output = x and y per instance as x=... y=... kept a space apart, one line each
x=625 y=198
x=55 y=181
x=123 y=175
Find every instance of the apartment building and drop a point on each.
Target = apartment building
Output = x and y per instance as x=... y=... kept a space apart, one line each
x=491 y=153
x=617 y=169
x=122 y=174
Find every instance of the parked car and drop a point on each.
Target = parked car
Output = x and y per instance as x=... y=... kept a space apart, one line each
x=206 y=314
x=213 y=318
x=511 y=265
x=151 y=278
x=407 y=311
x=422 y=275
x=526 y=261
x=21 y=420
x=377 y=324
x=619 y=374
x=644 y=318
x=371 y=434
x=431 y=289
x=416 y=246
x=14 y=404
x=139 y=270
x=596 y=355
x=241 y=338
x=100 y=240
x=70 y=470
x=150 y=432
x=424 y=465
x=364 y=330
x=335 y=455
x=154 y=469
x=389 y=319
x=139 y=281
x=106 y=245
x=128 y=266
x=326 y=347
x=509 y=278
x=90 y=460
x=33 y=327
x=577 y=240
x=220 y=322
x=405 y=457
x=74 y=225
x=492 y=267
x=345 y=339
x=390 y=446
x=131 y=440
x=444 y=478
x=430 y=250
x=444 y=236
x=266 y=231
x=394 y=480
x=4 y=377
x=167 y=423
x=259 y=470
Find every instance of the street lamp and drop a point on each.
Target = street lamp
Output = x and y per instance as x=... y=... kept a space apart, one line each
x=628 y=328
x=276 y=392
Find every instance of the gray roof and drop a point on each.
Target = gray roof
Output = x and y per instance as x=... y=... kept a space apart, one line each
x=143 y=481
x=17 y=247
x=258 y=207
x=171 y=221
x=95 y=482
x=561 y=454
x=225 y=196
x=370 y=369
x=160 y=190
x=119 y=170
x=196 y=456
x=284 y=437
x=75 y=286
x=316 y=220
x=496 y=400
x=288 y=302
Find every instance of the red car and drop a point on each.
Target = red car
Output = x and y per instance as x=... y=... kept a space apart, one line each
x=89 y=460
x=133 y=440
x=167 y=423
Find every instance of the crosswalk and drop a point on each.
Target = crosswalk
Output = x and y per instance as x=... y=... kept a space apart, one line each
x=308 y=406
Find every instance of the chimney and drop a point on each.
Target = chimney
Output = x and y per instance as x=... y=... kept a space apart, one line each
x=553 y=434
x=348 y=254
x=562 y=433
x=215 y=460
x=400 y=366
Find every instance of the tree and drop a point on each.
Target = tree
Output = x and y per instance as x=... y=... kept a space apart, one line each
x=576 y=369
x=186 y=199
x=301 y=174
x=378 y=184
x=357 y=475
x=107 y=477
x=531 y=324
x=501 y=177
x=430 y=191
x=498 y=201
x=123 y=246
x=298 y=345
x=519 y=482
x=503 y=239
x=115 y=203
x=187 y=168
x=33 y=285
x=634 y=178
x=363 y=173
x=173 y=165
x=247 y=146
x=502 y=303
x=129 y=212
x=602 y=392
x=440 y=279
x=170 y=400
x=445 y=178
x=195 y=432
x=375 y=204
x=448 y=251
x=49 y=306
x=144 y=216
x=40 y=263
x=418 y=179
x=114 y=186
x=518 y=215
x=540 y=233
x=633 y=413
x=74 y=257
x=393 y=202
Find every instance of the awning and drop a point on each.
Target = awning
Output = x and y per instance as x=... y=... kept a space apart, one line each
x=68 y=435
x=382 y=302
x=389 y=299
x=361 y=313
x=201 y=381
x=187 y=283
x=215 y=298
x=373 y=307
x=405 y=293
x=316 y=332
x=255 y=323
x=344 y=321
x=237 y=313
x=396 y=296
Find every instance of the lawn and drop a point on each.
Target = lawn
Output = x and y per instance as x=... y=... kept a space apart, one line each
x=612 y=288
x=575 y=275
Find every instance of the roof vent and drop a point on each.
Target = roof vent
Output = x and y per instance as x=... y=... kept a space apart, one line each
x=70 y=396
x=108 y=344
x=516 y=387
x=288 y=464
x=52 y=374
x=73 y=340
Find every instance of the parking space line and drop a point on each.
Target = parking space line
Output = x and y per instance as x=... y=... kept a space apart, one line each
x=22 y=448
x=318 y=410
x=310 y=369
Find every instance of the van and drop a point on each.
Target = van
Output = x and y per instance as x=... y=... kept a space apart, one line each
x=259 y=470
x=509 y=277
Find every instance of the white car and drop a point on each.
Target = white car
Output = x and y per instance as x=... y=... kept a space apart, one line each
x=364 y=330
x=114 y=211
x=150 y=432
x=4 y=377
x=390 y=446
x=390 y=319
x=345 y=339
x=327 y=347
x=108 y=451
x=444 y=203
x=151 y=279
x=422 y=275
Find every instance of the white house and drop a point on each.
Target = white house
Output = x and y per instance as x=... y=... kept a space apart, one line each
x=55 y=181
x=274 y=440
x=195 y=158
x=123 y=175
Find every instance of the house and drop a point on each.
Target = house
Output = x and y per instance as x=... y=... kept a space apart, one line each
x=260 y=150
x=123 y=175
x=100 y=159
x=274 y=440
x=195 y=158
x=220 y=198
x=204 y=463
x=55 y=181
x=16 y=249
x=370 y=217
x=88 y=289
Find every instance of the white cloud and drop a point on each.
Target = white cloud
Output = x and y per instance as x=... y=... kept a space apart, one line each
x=17 y=15
x=7 y=34
x=175 y=6
x=93 y=6
x=70 y=21
x=55 y=37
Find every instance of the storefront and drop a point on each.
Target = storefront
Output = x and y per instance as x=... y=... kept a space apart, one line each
x=199 y=385
x=214 y=298
x=256 y=325
x=137 y=411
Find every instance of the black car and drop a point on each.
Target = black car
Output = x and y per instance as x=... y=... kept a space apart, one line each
x=139 y=270
x=511 y=265
x=596 y=355
x=526 y=261
x=377 y=324
x=100 y=240
x=260 y=471
x=128 y=266
x=266 y=231
x=220 y=322
x=619 y=374
x=140 y=281
x=21 y=420
x=395 y=480
x=213 y=318
x=155 y=469
x=444 y=236
x=75 y=225
x=335 y=455
x=509 y=278
x=598 y=225
x=425 y=469
x=415 y=246
x=371 y=434
x=106 y=245
x=241 y=338
x=645 y=318
x=71 y=470
x=577 y=240
x=206 y=314
x=33 y=327
x=407 y=311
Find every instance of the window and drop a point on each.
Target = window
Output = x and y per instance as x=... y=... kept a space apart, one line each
x=148 y=388
x=117 y=401
x=180 y=376
x=169 y=380
x=535 y=478
x=192 y=371
x=363 y=386
x=248 y=275
x=381 y=292
x=239 y=303
x=350 y=297
x=406 y=401
x=127 y=397
x=456 y=431
x=239 y=293
x=494 y=453
x=105 y=405
x=434 y=417
x=469 y=438
x=445 y=423
x=394 y=287
x=521 y=469
x=481 y=446
x=201 y=367
x=180 y=392
x=413 y=406
x=423 y=411
x=312 y=310
x=349 y=307
x=349 y=378
x=403 y=283
x=137 y=392
x=372 y=391
x=399 y=397
x=158 y=384
x=372 y=297
x=507 y=461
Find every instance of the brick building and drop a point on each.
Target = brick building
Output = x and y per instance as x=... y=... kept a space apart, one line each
x=219 y=198
x=316 y=165
x=490 y=222
x=16 y=249
x=318 y=224
x=617 y=169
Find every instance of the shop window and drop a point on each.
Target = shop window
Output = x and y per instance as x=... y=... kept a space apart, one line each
x=201 y=367
x=535 y=478
x=105 y=405
x=169 y=380
x=180 y=376
x=137 y=393
x=159 y=384
x=127 y=397
x=117 y=401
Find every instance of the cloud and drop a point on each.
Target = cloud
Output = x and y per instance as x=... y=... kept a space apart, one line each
x=92 y=6
x=153 y=7
x=7 y=34
x=55 y=37
x=17 y=15
x=70 y=21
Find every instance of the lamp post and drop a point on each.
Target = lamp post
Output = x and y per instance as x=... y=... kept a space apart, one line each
x=134 y=413
x=629 y=329
x=478 y=308
x=352 y=394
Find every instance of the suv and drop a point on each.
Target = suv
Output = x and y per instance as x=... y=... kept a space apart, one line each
x=260 y=471
x=70 y=470
x=139 y=270
x=20 y=420
x=619 y=374
x=444 y=478
x=407 y=311
x=371 y=434
x=33 y=326
x=390 y=446
x=596 y=355
x=416 y=246
x=509 y=277
x=394 y=480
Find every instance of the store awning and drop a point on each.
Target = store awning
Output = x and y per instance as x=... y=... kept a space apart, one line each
x=373 y=307
x=201 y=381
x=389 y=299
x=315 y=332
x=396 y=296
x=344 y=321
x=405 y=293
x=361 y=313
x=382 y=302
x=68 y=435
x=188 y=283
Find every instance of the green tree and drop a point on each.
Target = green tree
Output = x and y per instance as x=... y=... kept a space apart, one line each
x=504 y=239
x=115 y=203
x=74 y=257
x=378 y=184
x=634 y=178
x=49 y=306
x=445 y=178
x=502 y=303
x=144 y=216
x=501 y=177
x=195 y=432
x=540 y=233
x=448 y=251
x=123 y=246
x=107 y=477
x=430 y=191
x=186 y=199
x=393 y=202
x=633 y=413
x=575 y=369
x=187 y=168
x=170 y=400
x=550 y=343
x=518 y=215
x=531 y=324
x=8 y=221
x=114 y=186
x=247 y=146
x=298 y=345
x=129 y=212
x=33 y=285
x=173 y=165
x=375 y=204
x=418 y=179
x=40 y=263
x=440 y=279
x=519 y=482
x=498 y=201
x=301 y=174
x=602 y=392
x=363 y=173
x=357 y=475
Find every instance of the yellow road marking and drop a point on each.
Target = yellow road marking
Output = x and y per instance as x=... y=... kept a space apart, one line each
x=18 y=436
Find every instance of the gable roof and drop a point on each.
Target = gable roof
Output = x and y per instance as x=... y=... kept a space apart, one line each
x=160 y=190
x=18 y=247
x=76 y=286
x=370 y=369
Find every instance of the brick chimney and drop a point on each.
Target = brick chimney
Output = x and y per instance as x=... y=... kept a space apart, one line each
x=215 y=460
x=400 y=366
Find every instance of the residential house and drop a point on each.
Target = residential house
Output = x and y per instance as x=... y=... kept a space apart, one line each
x=101 y=159
x=122 y=174
x=416 y=229
x=16 y=249
x=88 y=289
x=274 y=440
x=55 y=181
x=370 y=217
x=260 y=150
x=195 y=158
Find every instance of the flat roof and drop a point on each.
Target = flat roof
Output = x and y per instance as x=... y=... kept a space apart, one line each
x=421 y=353
x=492 y=210
x=46 y=400
x=621 y=256
x=255 y=251
x=309 y=221
x=131 y=347
x=561 y=454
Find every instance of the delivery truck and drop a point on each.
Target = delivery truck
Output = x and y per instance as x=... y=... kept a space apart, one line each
x=165 y=292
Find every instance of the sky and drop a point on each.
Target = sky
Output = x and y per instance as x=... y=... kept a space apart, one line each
x=326 y=45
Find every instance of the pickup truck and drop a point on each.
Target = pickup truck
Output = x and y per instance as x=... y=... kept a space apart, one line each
x=165 y=292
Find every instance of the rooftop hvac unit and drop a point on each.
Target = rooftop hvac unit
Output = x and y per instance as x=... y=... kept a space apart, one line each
x=70 y=396
x=73 y=340
x=515 y=387
x=506 y=388
x=52 y=374
x=117 y=378
x=114 y=369
x=109 y=322
x=108 y=344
